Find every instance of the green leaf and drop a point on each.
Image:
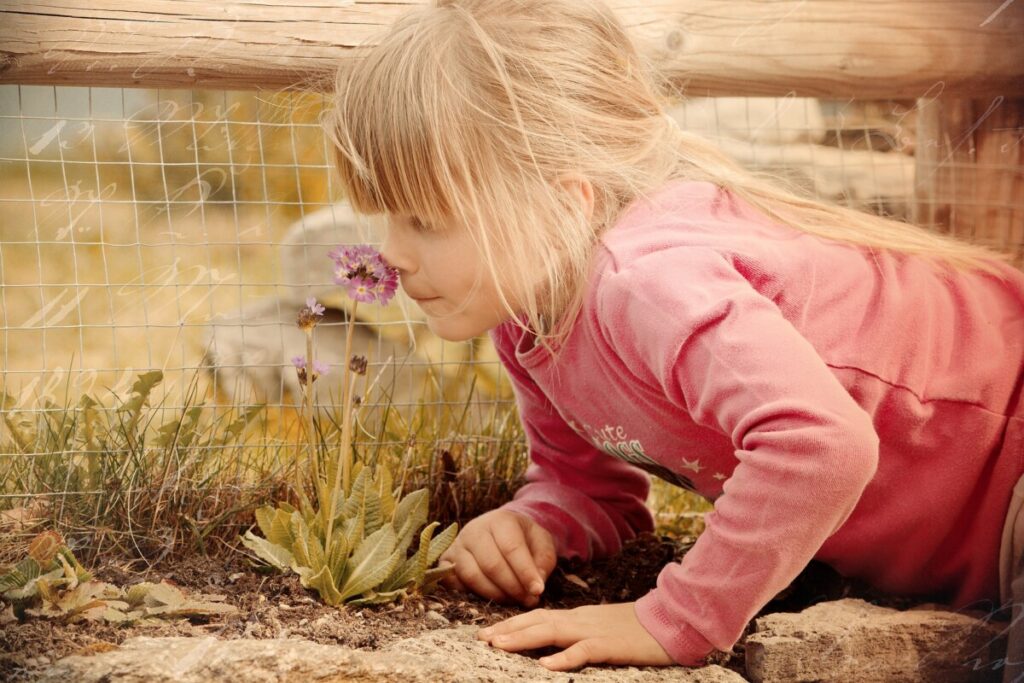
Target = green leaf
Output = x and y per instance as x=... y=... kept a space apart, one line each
x=323 y=581
x=412 y=570
x=384 y=493
x=265 y=520
x=423 y=551
x=21 y=574
x=324 y=500
x=136 y=594
x=280 y=530
x=167 y=433
x=339 y=550
x=355 y=497
x=354 y=531
x=375 y=598
x=233 y=430
x=439 y=544
x=414 y=507
x=81 y=572
x=369 y=564
x=31 y=588
x=305 y=574
x=432 y=576
x=300 y=532
x=140 y=391
x=372 y=507
x=271 y=553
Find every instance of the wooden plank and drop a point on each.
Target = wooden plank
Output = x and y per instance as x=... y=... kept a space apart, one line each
x=826 y=48
x=970 y=170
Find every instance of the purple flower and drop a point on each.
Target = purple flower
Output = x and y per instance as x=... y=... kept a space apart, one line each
x=310 y=315
x=302 y=368
x=314 y=307
x=364 y=273
x=362 y=289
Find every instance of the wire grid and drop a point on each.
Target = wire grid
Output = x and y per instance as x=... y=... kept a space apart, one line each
x=137 y=222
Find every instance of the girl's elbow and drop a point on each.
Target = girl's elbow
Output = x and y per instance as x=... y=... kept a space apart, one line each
x=861 y=450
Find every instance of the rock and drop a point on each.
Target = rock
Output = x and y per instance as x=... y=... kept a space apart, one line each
x=431 y=615
x=855 y=641
x=434 y=656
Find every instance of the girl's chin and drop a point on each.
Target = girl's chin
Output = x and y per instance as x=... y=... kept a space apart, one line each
x=450 y=329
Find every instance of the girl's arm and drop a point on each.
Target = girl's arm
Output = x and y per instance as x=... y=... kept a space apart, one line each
x=589 y=501
x=687 y=322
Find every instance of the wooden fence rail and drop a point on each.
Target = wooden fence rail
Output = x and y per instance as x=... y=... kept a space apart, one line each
x=821 y=48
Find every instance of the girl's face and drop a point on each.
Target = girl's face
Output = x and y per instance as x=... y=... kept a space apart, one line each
x=438 y=267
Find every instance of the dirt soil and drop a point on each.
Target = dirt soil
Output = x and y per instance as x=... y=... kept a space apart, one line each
x=277 y=606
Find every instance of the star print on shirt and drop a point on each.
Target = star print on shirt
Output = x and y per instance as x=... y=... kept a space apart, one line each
x=693 y=465
x=719 y=476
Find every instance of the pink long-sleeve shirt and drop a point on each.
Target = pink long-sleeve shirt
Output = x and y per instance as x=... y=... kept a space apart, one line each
x=860 y=409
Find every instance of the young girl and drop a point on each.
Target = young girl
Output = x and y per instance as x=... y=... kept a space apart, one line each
x=843 y=386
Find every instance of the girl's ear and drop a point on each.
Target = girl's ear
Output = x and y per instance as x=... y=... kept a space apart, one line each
x=579 y=191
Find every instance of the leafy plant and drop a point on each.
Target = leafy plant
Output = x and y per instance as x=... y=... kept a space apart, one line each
x=352 y=544
x=51 y=583
x=374 y=530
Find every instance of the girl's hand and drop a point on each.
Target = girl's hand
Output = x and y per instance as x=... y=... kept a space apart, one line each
x=501 y=555
x=609 y=634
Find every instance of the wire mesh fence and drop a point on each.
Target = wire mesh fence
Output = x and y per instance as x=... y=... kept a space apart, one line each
x=181 y=231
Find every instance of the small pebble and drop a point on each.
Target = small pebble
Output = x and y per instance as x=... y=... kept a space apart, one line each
x=431 y=615
x=285 y=606
x=303 y=621
x=236 y=576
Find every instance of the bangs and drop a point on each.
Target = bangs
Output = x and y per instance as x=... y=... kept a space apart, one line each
x=399 y=142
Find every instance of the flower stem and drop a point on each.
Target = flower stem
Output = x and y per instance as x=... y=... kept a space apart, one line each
x=344 y=473
x=310 y=425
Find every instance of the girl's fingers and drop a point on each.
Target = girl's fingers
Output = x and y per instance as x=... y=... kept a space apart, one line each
x=517 y=553
x=518 y=623
x=589 y=651
x=495 y=565
x=542 y=549
x=473 y=578
x=532 y=637
x=451 y=579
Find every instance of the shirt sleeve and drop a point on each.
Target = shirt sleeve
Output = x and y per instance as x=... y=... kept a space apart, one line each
x=685 y=320
x=590 y=501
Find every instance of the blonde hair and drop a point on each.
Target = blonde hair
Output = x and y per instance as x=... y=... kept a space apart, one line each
x=472 y=109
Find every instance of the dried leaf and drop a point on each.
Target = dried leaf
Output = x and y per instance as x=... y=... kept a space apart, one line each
x=44 y=547
x=572 y=578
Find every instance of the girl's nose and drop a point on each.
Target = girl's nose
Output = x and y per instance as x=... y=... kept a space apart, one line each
x=392 y=252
